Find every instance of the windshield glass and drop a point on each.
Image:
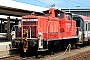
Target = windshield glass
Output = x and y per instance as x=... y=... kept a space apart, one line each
x=60 y=14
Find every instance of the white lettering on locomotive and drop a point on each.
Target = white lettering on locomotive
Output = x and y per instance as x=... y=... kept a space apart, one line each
x=68 y=25
x=29 y=19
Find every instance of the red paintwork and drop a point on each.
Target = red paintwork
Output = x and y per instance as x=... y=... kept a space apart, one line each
x=88 y=37
x=52 y=27
x=85 y=17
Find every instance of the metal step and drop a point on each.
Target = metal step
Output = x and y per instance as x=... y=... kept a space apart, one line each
x=79 y=43
x=42 y=50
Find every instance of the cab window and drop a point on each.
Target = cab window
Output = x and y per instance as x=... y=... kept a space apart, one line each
x=46 y=13
x=60 y=14
x=68 y=17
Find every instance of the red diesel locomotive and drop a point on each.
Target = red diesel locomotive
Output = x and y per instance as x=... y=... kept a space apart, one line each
x=53 y=28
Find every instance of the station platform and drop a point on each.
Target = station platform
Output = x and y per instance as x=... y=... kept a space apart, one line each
x=6 y=50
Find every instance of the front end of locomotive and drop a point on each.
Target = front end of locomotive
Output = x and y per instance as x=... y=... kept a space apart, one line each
x=31 y=34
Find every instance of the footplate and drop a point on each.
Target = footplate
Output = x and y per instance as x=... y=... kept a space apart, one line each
x=42 y=50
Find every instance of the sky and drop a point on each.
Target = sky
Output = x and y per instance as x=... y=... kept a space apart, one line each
x=58 y=3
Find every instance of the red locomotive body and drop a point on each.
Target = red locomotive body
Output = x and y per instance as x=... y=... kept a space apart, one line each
x=50 y=26
x=42 y=31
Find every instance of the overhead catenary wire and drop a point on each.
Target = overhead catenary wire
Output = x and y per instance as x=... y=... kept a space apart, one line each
x=68 y=1
x=43 y=4
x=40 y=1
x=50 y=5
x=31 y=3
x=78 y=3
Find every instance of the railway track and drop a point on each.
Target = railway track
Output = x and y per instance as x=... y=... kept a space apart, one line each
x=44 y=56
x=11 y=57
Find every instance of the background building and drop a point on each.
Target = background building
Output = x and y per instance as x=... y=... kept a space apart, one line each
x=81 y=11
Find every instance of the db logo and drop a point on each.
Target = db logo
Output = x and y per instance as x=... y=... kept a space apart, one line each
x=68 y=24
